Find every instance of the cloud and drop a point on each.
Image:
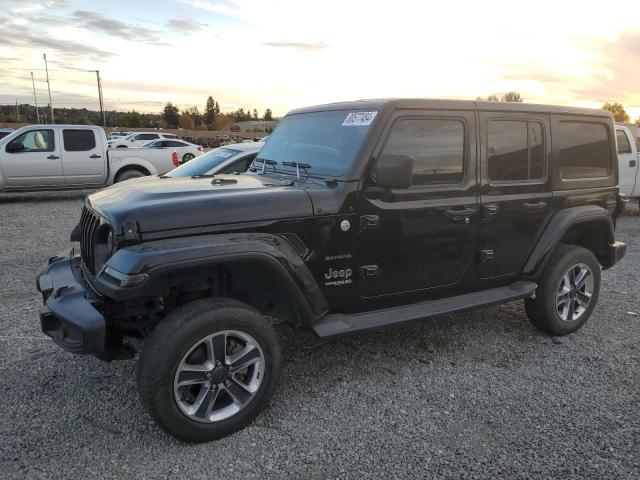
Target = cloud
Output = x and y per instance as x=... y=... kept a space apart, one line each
x=305 y=46
x=184 y=25
x=614 y=73
x=97 y=22
x=29 y=38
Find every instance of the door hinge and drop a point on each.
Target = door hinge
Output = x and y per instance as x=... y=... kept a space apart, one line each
x=486 y=255
x=367 y=272
x=369 y=222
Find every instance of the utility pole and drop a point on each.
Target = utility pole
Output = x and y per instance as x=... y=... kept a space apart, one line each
x=48 y=86
x=17 y=110
x=104 y=119
x=35 y=97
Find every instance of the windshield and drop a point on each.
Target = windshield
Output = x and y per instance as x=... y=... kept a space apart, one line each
x=327 y=142
x=204 y=163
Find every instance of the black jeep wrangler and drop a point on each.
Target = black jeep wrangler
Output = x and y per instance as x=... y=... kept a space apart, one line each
x=353 y=216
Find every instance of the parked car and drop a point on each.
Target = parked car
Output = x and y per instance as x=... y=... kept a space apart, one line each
x=186 y=151
x=234 y=158
x=116 y=135
x=138 y=139
x=71 y=156
x=370 y=213
x=5 y=131
x=628 y=161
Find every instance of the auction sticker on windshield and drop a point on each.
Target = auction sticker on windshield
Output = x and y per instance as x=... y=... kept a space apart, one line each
x=359 y=119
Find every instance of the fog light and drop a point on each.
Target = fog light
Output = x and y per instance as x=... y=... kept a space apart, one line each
x=123 y=279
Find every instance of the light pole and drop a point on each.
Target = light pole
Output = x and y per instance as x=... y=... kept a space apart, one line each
x=35 y=97
x=48 y=86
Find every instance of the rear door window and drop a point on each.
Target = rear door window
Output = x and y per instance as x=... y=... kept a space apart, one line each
x=623 y=142
x=583 y=150
x=515 y=151
x=78 y=140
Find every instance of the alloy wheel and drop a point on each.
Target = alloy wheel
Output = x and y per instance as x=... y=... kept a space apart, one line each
x=219 y=376
x=574 y=292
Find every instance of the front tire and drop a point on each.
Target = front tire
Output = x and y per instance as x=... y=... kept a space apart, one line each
x=208 y=369
x=187 y=156
x=567 y=293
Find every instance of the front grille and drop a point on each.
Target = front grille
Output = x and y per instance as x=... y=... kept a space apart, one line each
x=89 y=226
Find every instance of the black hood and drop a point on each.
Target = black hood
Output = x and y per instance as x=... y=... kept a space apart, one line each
x=157 y=204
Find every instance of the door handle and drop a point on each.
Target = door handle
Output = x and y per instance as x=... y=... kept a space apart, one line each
x=53 y=157
x=535 y=207
x=459 y=214
x=95 y=156
x=632 y=163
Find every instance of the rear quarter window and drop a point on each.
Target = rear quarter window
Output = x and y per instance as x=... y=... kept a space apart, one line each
x=583 y=150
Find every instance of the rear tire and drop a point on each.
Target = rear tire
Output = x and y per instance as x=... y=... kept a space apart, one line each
x=195 y=392
x=129 y=174
x=567 y=293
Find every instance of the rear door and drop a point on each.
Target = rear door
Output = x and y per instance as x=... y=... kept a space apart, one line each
x=422 y=237
x=515 y=191
x=627 y=161
x=83 y=159
x=33 y=159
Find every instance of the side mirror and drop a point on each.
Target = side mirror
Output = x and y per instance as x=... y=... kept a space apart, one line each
x=393 y=171
x=15 y=148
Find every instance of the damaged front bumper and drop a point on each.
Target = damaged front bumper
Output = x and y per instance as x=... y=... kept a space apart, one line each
x=69 y=315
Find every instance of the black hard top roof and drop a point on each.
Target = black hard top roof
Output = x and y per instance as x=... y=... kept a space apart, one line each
x=437 y=104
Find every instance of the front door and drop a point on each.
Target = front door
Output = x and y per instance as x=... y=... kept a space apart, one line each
x=515 y=192
x=33 y=159
x=423 y=237
x=627 y=161
x=83 y=157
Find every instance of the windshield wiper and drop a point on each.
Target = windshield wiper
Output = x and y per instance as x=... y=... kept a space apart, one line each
x=265 y=162
x=299 y=166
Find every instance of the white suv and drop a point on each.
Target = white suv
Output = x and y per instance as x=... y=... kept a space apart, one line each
x=138 y=139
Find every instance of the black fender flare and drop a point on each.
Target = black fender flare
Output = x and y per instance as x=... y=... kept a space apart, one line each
x=163 y=260
x=558 y=226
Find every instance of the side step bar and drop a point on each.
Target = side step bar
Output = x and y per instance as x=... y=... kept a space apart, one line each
x=340 y=323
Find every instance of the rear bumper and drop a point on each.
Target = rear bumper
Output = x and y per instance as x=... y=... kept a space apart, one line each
x=69 y=315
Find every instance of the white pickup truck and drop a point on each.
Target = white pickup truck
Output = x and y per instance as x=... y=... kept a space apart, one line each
x=72 y=156
x=628 y=161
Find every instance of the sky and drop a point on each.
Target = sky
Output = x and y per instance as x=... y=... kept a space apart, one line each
x=284 y=54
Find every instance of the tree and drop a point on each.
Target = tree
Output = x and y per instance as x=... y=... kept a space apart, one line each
x=217 y=108
x=186 y=121
x=268 y=116
x=197 y=117
x=131 y=119
x=210 y=113
x=638 y=121
x=170 y=114
x=255 y=114
x=513 y=97
x=618 y=112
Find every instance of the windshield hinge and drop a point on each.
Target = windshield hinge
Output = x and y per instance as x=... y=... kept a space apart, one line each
x=131 y=232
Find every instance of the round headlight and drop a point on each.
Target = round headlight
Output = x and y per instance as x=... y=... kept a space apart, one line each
x=105 y=246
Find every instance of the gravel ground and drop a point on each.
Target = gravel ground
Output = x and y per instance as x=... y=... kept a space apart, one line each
x=474 y=395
